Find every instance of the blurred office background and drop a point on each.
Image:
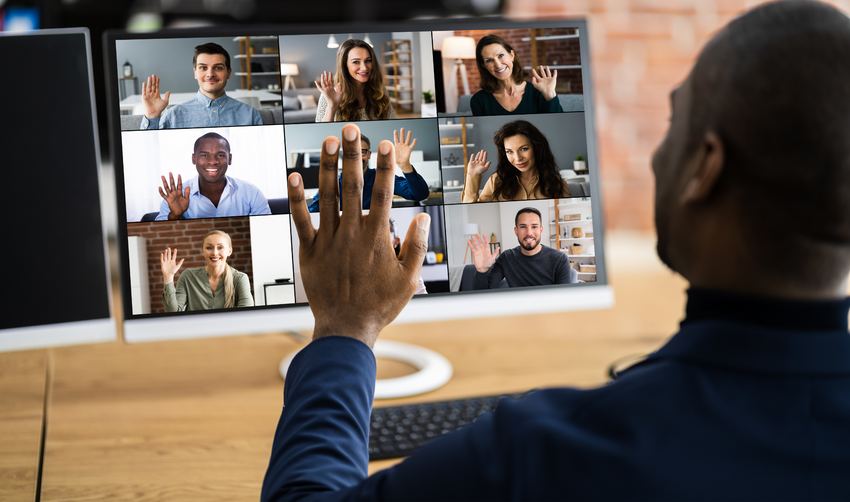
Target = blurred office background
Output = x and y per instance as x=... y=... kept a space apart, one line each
x=640 y=49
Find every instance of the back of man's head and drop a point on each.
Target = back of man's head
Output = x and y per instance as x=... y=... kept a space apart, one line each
x=775 y=86
x=210 y=48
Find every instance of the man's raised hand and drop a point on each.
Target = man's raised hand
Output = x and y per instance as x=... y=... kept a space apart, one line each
x=175 y=195
x=403 y=149
x=482 y=257
x=154 y=104
x=354 y=282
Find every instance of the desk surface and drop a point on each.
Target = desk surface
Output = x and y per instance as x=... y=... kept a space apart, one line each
x=194 y=419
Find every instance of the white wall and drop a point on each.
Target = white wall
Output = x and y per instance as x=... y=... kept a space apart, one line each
x=271 y=251
x=258 y=157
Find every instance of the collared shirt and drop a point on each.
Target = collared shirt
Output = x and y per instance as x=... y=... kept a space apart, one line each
x=411 y=187
x=473 y=182
x=205 y=112
x=239 y=198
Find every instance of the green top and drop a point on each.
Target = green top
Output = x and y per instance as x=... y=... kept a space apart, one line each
x=193 y=292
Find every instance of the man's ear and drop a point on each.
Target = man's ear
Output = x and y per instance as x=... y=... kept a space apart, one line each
x=709 y=162
x=515 y=232
x=229 y=159
x=194 y=162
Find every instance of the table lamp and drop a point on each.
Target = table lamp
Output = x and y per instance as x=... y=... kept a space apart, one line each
x=468 y=229
x=459 y=48
x=287 y=70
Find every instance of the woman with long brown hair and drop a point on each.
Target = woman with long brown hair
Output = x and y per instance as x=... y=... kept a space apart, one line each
x=526 y=168
x=504 y=89
x=358 y=91
x=214 y=286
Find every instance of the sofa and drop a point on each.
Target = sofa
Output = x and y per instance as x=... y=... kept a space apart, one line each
x=292 y=111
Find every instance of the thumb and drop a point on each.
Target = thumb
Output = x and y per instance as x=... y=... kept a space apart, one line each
x=167 y=95
x=186 y=192
x=415 y=243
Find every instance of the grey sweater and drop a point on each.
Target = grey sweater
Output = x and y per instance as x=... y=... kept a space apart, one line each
x=549 y=266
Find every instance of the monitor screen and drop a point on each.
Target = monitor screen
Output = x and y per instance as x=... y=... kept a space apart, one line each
x=58 y=289
x=493 y=126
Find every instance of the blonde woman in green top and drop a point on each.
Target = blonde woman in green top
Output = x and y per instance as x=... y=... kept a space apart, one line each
x=214 y=286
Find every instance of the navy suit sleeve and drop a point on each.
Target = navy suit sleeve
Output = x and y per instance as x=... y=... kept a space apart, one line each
x=321 y=442
x=411 y=187
x=320 y=446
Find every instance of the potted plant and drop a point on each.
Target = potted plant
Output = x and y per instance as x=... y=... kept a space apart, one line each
x=429 y=106
x=579 y=164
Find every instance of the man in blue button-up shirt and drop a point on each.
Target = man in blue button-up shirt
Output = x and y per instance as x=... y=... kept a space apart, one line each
x=211 y=106
x=211 y=194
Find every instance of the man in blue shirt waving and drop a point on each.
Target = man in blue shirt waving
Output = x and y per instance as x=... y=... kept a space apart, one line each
x=412 y=186
x=211 y=194
x=211 y=106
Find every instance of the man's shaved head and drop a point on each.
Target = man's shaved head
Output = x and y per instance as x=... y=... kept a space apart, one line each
x=774 y=85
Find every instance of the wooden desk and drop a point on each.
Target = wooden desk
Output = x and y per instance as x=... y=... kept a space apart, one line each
x=23 y=378
x=194 y=419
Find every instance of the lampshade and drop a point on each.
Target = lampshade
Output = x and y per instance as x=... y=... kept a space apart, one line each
x=469 y=228
x=332 y=42
x=459 y=47
x=288 y=69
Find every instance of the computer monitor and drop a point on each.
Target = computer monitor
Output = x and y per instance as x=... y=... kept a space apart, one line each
x=234 y=110
x=58 y=284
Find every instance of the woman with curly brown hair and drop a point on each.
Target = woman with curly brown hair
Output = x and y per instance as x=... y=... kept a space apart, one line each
x=526 y=168
x=504 y=89
x=358 y=91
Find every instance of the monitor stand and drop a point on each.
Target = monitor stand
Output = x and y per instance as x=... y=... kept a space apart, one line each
x=434 y=369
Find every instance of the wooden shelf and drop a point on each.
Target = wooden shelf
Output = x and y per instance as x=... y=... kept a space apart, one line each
x=402 y=96
x=245 y=56
x=571 y=222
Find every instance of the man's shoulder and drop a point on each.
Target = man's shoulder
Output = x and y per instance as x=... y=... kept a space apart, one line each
x=552 y=253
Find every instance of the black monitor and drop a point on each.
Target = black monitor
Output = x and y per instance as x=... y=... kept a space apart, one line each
x=57 y=289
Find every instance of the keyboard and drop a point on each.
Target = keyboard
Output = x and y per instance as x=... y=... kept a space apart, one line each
x=396 y=431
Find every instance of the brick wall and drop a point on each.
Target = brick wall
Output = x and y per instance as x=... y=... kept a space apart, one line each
x=639 y=50
x=549 y=52
x=186 y=236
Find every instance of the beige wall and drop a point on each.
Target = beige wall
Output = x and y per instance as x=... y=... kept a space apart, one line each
x=640 y=49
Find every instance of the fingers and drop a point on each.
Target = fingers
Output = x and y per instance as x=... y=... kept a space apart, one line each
x=171 y=181
x=186 y=192
x=300 y=213
x=352 y=176
x=415 y=245
x=329 y=185
x=382 y=191
x=165 y=185
x=534 y=72
x=180 y=183
x=395 y=135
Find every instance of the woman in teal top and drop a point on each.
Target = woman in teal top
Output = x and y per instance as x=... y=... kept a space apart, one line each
x=214 y=286
x=503 y=86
